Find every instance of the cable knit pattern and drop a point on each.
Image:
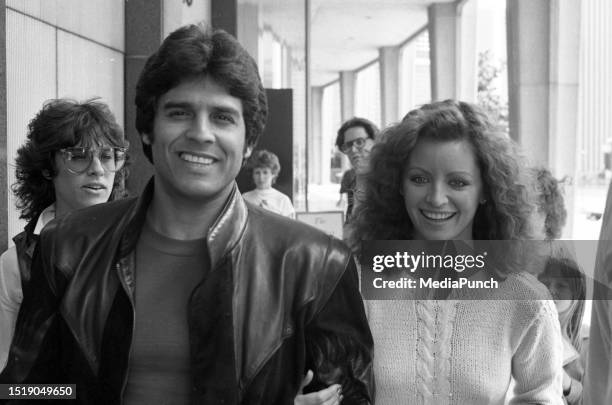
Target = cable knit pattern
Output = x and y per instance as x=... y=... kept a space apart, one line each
x=467 y=351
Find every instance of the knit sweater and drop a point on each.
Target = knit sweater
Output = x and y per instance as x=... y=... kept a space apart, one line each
x=466 y=351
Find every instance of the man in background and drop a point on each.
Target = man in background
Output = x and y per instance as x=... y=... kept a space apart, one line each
x=355 y=139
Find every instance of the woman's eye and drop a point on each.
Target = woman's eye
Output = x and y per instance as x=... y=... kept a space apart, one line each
x=458 y=183
x=418 y=179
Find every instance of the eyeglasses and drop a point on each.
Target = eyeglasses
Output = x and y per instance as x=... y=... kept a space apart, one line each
x=347 y=146
x=78 y=159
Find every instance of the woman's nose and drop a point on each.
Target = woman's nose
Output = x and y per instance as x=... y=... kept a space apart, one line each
x=436 y=196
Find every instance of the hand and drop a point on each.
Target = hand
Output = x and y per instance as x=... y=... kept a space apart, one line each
x=329 y=396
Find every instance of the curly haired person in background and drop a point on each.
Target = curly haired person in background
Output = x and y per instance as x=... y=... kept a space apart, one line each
x=74 y=157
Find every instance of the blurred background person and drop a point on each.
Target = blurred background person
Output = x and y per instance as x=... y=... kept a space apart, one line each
x=355 y=139
x=567 y=285
x=551 y=211
x=74 y=157
x=265 y=168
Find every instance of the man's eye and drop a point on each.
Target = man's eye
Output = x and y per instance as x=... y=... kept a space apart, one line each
x=224 y=118
x=107 y=156
x=178 y=113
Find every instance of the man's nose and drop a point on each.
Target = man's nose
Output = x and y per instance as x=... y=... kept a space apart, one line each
x=354 y=148
x=202 y=130
x=96 y=167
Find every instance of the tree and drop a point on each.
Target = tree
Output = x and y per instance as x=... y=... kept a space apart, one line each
x=489 y=96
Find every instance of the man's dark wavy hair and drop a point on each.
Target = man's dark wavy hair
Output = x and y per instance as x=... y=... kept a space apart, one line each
x=61 y=123
x=509 y=202
x=196 y=50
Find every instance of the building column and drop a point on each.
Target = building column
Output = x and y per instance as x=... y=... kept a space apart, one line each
x=348 y=81
x=318 y=162
x=249 y=19
x=467 y=63
x=452 y=49
x=4 y=186
x=143 y=35
x=224 y=14
x=389 y=88
x=543 y=56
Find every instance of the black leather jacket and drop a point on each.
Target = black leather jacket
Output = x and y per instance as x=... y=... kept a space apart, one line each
x=281 y=298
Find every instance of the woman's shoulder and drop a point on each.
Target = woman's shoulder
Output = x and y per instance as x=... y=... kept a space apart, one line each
x=523 y=286
x=527 y=296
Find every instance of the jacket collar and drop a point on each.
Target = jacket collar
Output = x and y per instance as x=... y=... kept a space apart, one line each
x=222 y=236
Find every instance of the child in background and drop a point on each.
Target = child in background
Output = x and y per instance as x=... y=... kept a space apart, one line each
x=567 y=285
x=266 y=167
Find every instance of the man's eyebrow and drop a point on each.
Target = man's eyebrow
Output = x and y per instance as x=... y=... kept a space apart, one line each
x=176 y=104
x=226 y=109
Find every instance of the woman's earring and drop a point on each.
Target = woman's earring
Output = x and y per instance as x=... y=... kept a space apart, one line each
x=483 y=201
x=46 y=174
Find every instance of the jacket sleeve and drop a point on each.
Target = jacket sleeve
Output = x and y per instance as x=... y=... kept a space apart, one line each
x=339 y=342
x=34 y=353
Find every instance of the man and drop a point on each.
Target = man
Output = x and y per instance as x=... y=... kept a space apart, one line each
x=188 y=294
x=355 y=139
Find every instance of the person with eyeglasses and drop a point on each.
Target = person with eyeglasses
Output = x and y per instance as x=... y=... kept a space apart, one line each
x=355 y=139
x=74 y=157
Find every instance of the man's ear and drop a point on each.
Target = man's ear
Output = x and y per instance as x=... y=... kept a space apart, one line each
x=247 y=152
x=146 y=139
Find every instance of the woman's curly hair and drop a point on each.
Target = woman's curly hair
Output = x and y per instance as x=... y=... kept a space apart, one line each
x=506 y=213
x=61 y=123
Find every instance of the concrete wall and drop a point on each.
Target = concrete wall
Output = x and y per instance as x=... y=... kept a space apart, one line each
x=58 y=48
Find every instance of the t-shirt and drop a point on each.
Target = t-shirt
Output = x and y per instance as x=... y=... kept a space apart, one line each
x=167 y=271
x=272 y=200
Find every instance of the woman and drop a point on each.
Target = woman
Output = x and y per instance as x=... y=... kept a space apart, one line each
x=74 y=157
x=443 y=174
x=567 y=284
